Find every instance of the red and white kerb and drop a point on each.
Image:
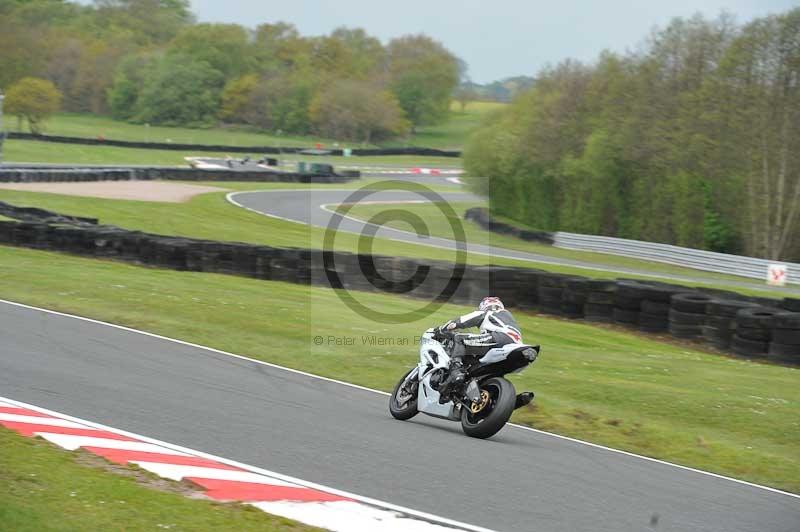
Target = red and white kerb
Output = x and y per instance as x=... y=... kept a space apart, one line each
x=218 y=480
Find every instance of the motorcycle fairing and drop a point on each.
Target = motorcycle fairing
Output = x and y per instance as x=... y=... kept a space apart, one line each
x=510 y=358
x=498 y=354
x=433 y=356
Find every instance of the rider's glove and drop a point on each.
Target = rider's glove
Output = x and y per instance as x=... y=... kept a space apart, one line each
x=449 y=326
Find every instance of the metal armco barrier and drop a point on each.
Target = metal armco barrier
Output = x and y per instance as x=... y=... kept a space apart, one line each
x=691 y=258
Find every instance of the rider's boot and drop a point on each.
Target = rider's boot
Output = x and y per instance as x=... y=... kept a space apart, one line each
x=456 y=377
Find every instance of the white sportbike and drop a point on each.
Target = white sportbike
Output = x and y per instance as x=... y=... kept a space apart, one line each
x=483 y=401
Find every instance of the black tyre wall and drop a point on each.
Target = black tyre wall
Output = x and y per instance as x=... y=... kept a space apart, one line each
x=691 y=302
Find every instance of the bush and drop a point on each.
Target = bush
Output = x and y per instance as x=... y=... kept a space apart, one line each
x=180 y=91
x=34 y=100
x=357 y=111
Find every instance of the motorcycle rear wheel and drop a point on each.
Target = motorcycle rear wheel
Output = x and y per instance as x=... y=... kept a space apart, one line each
x=408 y=409
x=494 y=415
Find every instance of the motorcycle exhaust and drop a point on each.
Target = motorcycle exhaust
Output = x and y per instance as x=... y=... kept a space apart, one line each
x=523 y=399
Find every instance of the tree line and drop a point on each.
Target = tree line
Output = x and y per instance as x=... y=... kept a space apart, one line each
x=693 y=140
x=148 y=61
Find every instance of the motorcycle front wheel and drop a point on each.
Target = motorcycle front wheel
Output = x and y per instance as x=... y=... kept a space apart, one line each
x=403 y=402
x=485 y=418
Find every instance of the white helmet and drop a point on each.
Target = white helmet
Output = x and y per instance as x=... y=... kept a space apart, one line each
x=491 y=303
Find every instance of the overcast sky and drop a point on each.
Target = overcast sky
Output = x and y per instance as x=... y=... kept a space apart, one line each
x=497 y=38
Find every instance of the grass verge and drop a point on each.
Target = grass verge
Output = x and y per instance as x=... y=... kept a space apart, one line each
x=47 y=488
x=453 y=134
x=663 y=399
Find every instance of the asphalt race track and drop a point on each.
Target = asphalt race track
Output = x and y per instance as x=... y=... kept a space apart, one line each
x=305 y=206
x=343 y=437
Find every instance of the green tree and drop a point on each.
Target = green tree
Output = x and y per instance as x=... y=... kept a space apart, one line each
x=693 y=140
x=363 y=54
x=238 y=101
x=180 y=91
x=357 y=111
x=758 y=105
x=22 y=54
x=278 y=47
x=225 y=47
x=278 y=101
x=422 y=74
x=129 y=79
x=717 y=233
x=34 y=100
x=284 y=99
x=94 y=76
x=150 y=21
x=63 y=65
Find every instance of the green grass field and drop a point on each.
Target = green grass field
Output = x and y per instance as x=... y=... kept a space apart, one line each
x=440 y=225
x=30 y=151
x=92 y=126
x=210 y=216
x=450 y=135
x=664 y=399
x=454 y=133
x=47 y=488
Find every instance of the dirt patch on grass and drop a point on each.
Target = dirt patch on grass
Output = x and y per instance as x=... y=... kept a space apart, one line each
x=129 y=190
x=145 y=478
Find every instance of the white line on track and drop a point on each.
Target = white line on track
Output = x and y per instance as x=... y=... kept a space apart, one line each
x=230 y=195
x=339 y=515
x=350 y=385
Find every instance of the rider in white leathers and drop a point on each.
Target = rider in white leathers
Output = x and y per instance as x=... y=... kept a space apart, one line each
x=497 y=327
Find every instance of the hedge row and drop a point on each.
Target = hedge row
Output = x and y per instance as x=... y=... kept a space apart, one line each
x=430 y=152
x=41 y=175
x=751 y=327
x=481 y=216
